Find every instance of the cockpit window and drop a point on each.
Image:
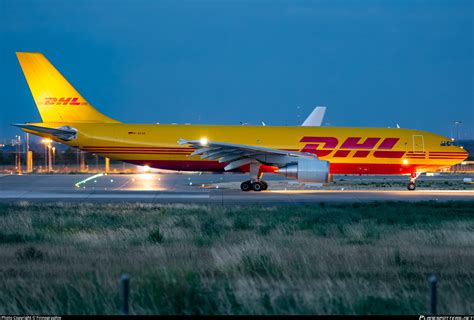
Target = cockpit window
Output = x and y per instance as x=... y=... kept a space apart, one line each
x=446 y=143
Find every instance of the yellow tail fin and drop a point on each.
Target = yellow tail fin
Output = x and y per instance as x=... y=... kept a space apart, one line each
x=55 y=97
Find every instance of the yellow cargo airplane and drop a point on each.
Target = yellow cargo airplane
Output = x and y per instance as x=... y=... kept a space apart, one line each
x=307 y=154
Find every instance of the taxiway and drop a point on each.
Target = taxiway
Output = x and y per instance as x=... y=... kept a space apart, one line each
x=207 y=188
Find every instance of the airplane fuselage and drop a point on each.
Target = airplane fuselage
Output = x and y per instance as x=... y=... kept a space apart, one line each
x=349 y=150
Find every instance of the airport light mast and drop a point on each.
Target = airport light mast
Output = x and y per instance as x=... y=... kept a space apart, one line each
x=29 y=154
x=456 y=126
x=18 y=154
x=50 y=162
x=47 y=154
x=54 y=155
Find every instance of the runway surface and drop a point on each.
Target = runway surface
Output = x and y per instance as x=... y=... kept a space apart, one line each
x=205 y=188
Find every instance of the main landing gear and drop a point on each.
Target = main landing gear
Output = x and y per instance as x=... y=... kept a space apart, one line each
x=412 y=185
x=257 y=185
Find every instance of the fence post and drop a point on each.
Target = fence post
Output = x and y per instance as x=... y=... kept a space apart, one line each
x=434 y=294
x=125 y=281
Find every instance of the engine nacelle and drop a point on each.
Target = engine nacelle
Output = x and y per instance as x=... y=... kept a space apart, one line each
x=307 y=170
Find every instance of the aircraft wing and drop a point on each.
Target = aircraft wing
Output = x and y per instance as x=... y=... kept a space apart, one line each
x=238 y=155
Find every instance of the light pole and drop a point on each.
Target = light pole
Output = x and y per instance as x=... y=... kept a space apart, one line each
x=50 y=159
x=47 y=155
x=456 y=126
x=27 y=135
x=18 y=154
x=29 y=154
x=298 y=116
x=54 y=154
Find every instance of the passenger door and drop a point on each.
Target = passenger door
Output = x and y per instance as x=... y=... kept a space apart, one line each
x=418 y=143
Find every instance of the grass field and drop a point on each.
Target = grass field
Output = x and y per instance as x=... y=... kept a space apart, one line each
x=364 y=258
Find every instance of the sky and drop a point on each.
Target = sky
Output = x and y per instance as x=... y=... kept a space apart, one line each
x=372 y=63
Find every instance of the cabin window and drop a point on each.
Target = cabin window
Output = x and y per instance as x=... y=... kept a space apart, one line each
x=446 y=143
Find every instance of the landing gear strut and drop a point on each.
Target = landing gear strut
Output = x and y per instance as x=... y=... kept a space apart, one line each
x=255 y=183
x=412 y=185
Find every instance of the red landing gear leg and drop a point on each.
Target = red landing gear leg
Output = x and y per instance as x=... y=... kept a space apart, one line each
x=255 y=183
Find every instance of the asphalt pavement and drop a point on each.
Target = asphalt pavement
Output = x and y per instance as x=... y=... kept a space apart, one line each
x=207 y=189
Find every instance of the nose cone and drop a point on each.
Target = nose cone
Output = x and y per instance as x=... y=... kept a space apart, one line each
x=463 y=151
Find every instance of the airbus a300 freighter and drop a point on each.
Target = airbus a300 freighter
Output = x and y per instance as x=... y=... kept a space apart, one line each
x=307 y=154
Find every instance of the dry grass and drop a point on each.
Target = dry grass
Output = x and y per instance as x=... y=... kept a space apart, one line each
x=189 y=259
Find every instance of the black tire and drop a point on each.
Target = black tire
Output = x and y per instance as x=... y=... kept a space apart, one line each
x=246 y=186
x=265 y=185
x=411 y=186
x=257 y=186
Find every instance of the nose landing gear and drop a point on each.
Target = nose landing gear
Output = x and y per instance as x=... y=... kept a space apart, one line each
x=412 y=185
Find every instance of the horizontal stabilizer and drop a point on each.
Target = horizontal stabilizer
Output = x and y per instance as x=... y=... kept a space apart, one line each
x=65 y=133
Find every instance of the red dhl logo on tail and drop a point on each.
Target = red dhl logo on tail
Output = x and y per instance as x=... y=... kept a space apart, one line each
x=63 y=101
x=324 y=146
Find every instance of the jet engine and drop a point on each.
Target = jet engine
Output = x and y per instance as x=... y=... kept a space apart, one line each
x=307 y=170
